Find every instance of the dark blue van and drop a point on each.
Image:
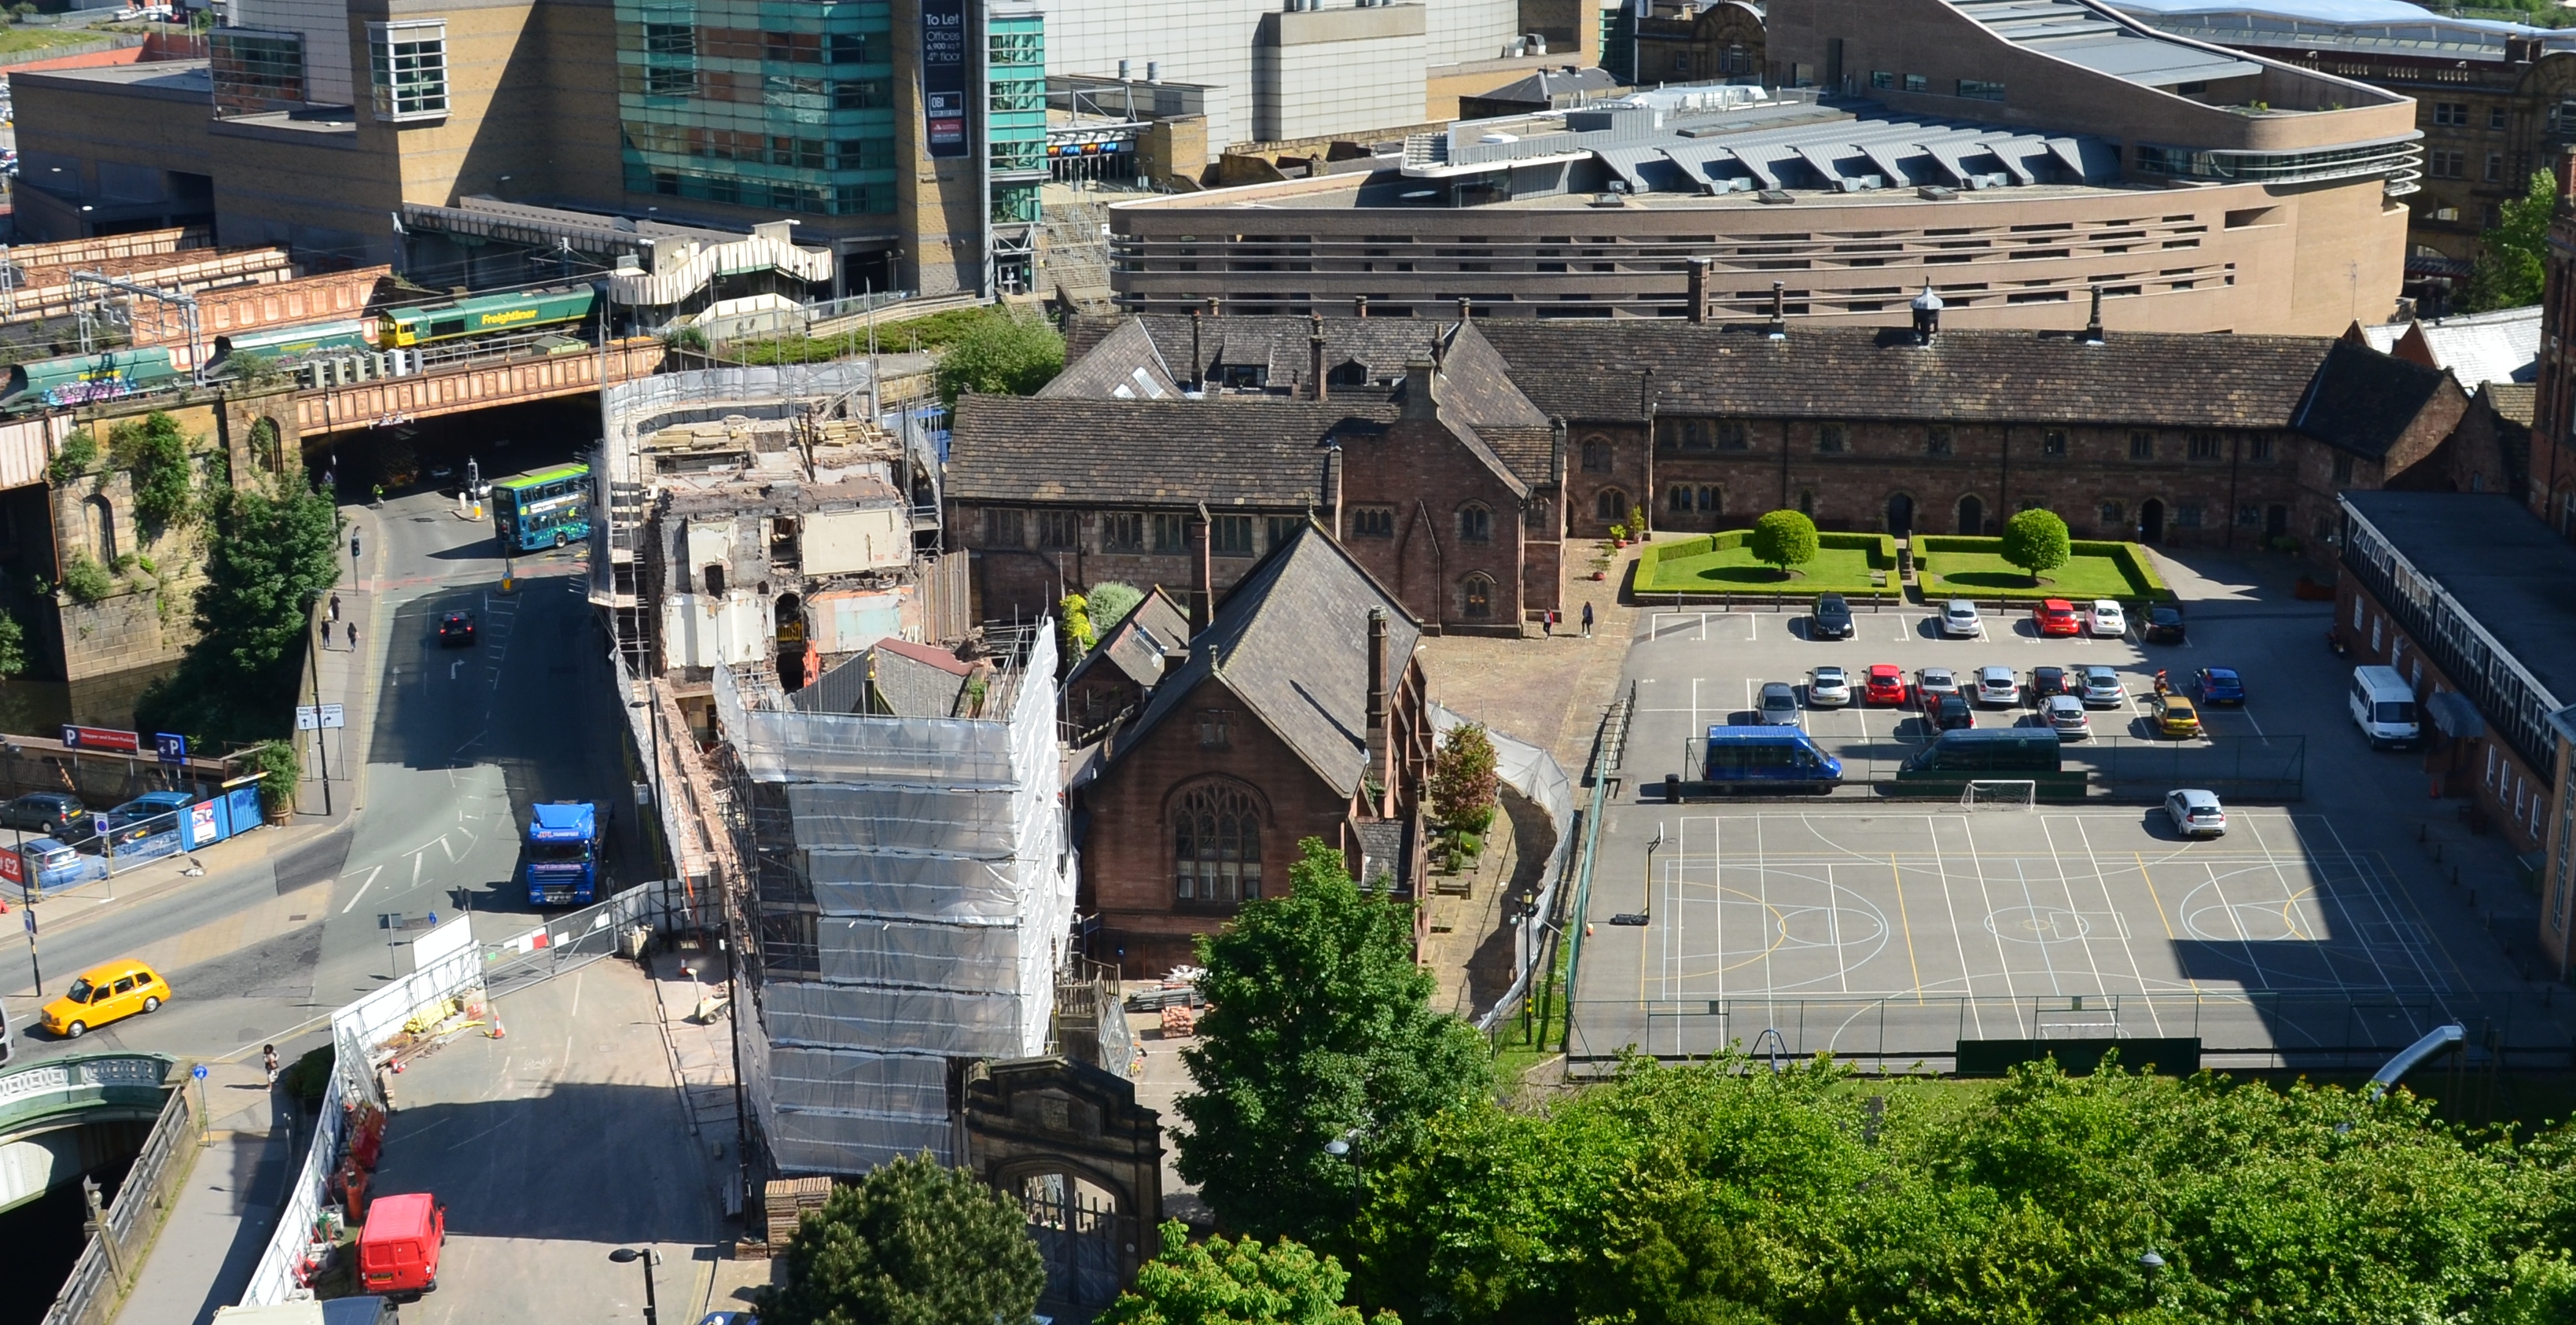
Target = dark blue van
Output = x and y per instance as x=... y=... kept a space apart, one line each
x=1757 y=759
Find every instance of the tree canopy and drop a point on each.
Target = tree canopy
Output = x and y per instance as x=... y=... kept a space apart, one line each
x=1319 y=1029
x=1218 y=1282
x=1110 y=601
x=1723 y=1192
x=1002 y=352
x=1784 y=538
x=1464 y=780
x=2036 y=540
x=911 y=1243
x=2511 y=266
x=268 y=555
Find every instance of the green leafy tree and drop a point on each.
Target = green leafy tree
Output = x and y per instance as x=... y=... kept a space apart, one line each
x=2511 y=266
x=165 y=491
x=1464 y=780
x=268 y=556
x=2036 y=541
x=284 y=766
x=1111 y=601
x=1236 y=1283
x=1786 y=539
x=911 y=1243
x=1319 y=1030
x=13 y=645
x=1001 y=353
x=1073 y=619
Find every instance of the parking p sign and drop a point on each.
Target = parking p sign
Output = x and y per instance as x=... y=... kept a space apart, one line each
x=172 y=747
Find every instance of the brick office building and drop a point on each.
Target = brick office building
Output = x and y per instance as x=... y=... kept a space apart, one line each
x=1300 y=712
x=2464 y=593
x=2198 y=441
x=1435 y=472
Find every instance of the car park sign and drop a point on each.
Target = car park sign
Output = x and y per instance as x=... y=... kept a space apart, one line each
x=103 y=739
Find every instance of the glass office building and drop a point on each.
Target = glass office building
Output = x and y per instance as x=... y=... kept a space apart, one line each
x=1016 y=135
x=775 y=104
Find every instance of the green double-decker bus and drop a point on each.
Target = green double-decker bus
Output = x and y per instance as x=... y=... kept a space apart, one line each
x=548 y=508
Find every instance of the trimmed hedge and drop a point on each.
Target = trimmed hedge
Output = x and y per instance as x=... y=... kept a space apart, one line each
x=2128 y=560
x=1656 y=575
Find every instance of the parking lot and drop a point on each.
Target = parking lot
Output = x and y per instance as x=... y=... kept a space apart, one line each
x=1888 y=930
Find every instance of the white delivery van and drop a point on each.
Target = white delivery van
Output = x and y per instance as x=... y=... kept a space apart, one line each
x=2383 y=705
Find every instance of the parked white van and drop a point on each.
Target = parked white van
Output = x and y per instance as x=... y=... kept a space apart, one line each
x=2383 y=706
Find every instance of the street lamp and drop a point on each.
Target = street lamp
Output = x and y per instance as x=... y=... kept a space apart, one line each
x=2152 y=1265
x=651 y=1258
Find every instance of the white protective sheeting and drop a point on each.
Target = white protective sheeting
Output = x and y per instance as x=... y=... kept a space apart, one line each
x=935 y=851
x=1534 y=773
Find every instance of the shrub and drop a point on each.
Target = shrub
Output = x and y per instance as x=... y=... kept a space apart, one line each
x=1004 y=352
x=165 y=493
x=73 y=459
x=1463 y=779
x=1111 y=601
x=284 y=767
x=2036 y=541
x=85 y=580
x=307 y=1077
x=1785 y=539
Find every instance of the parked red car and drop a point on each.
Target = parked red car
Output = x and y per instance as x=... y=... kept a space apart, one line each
x=2056 y=616
x=398 y=1248
x=1884 y=685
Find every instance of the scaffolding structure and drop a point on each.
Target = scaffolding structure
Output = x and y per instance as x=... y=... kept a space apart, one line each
x=913 y=883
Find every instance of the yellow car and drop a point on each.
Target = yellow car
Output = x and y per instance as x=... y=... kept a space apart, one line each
x=2176 y=717
x=109 y=991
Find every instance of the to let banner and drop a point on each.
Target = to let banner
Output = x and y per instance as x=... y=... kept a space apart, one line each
x=945 y=70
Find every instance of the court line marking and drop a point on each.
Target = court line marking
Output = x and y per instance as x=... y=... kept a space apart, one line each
x=2067 y=884
x=2325 y=950
x=2127 y=944
x=2003 y=960
x=2377 y=888
x=1896 y=876
x=2377 y=902
x=1967 y=974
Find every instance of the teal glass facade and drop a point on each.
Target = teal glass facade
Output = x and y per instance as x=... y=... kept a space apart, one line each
x=782 y=105
x=1015 y=111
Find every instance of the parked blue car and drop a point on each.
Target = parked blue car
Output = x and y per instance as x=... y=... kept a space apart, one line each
x=146 y=826
x=53 y=864
x=2221 y=685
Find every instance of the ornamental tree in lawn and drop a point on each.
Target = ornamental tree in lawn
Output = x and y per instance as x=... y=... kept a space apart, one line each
x=1786 y=539
x=2036 y=541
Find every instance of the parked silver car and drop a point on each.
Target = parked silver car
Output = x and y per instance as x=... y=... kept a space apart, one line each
x=1960 y=619
x=1828 y=688
x=2196 y=813
x=1778 y=704
x=2066 y=714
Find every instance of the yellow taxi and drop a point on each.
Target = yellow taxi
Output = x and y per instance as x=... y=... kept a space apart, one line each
x=2176 y=717
x=109 y=991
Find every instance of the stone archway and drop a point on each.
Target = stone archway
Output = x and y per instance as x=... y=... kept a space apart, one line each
x=2151 y=521
x=1900 y=515
x=1068 y=1141
x=1972 y=516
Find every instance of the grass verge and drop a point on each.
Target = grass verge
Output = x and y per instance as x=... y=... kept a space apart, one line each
x=1975 y=568
x=1721 y=563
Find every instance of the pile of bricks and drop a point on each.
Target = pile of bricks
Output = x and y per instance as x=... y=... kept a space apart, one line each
x=785 y=1200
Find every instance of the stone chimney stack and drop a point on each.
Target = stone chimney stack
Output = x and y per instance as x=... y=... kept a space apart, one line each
x=1359 y=306
x=1202 y=575
x=1315 y=352
x=2093 y=329
x=1927 y=315
x=1421 y=390
x=1377 y=679
x=1333 y=490
x=1198 y=365
x=1699 y=289
x=1779 y=310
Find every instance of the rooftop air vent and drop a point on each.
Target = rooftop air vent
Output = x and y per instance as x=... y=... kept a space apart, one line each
x=1774 y=196
x=1936 y=193
x=1608 y=200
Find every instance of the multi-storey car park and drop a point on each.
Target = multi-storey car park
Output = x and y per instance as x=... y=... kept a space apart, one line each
x=2011 y=154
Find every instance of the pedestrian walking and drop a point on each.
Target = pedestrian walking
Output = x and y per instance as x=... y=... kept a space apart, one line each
x=1547 y=622
x=1587 y=621
x=326 y=634
x=335 y=607
x=268 y=1058
x=353 y=635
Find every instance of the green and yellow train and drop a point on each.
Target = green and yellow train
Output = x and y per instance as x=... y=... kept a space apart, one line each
x=482 y=315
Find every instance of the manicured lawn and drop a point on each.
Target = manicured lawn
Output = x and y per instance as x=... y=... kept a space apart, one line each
x=1733 y=570
x=1974 y=573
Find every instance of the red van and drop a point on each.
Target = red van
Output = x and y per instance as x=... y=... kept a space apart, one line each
x=398 y=1247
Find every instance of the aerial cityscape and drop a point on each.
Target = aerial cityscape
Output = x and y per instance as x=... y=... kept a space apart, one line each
x=980 y=662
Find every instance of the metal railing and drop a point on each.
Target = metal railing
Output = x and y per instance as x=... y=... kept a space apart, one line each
x=2330 y=1028
x=107 y=1266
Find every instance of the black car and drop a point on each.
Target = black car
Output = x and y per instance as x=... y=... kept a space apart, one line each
x=2045 y=681
x=1831 y=619
x=55 y=814
x=455 y=629
x=2164 y=625
x=1951 y=712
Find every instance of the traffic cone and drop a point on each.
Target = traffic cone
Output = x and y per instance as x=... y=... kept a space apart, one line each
x=498 y=1032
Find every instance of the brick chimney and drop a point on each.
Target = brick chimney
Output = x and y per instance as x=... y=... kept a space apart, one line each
x=1779 y=310
x=1202 y=575
x=1333 y=490
x=1699 y=289
x=1315 y=352
x=1198 y=365
x=2093 y=329
x=1377 y=678
x=1421 y=390
x=1359 y=306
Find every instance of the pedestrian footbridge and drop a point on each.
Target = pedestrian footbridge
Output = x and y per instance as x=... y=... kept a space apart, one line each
x=68 y=1116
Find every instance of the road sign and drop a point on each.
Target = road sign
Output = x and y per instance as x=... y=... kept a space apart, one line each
x=172 y=746
x=389 y=920
x=333 y=716
x=199 y=1071
x=30 y=913
x=101 y=738
x=307 y=717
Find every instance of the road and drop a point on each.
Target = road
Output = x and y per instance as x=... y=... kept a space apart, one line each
x=461 y=742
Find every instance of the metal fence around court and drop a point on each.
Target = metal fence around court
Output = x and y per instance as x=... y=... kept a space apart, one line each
x=2316 y=1029
x=2124 y=768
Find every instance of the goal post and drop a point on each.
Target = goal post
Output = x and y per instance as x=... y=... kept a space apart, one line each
x=2000 y=794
